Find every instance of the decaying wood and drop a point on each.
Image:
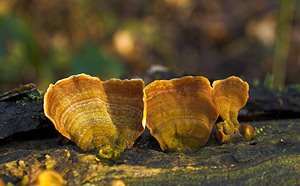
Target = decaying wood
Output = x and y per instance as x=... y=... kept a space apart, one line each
x=21 y=111
x=272 y=158
x=271 y=104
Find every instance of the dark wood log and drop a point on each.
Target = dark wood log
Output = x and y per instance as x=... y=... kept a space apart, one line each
x=21 y=111
x=266 y=103
x=273 y=158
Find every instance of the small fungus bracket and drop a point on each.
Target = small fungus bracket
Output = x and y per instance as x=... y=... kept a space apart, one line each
x=229 y=96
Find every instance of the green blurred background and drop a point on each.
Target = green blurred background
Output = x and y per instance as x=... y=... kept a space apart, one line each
x=42 y=41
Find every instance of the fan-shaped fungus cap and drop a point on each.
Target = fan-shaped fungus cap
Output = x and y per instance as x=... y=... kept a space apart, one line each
x=96 y=114
x=229 y=96
x=180 y=112
x=221 y=134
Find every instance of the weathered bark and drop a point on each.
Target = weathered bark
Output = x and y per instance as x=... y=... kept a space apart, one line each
x=21 y=111
x=272 y=158
x=271 y=104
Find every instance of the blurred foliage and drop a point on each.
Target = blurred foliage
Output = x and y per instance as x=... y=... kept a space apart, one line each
x=92 y=61
x=18 y=52
x=285 y=18
x=42 y=41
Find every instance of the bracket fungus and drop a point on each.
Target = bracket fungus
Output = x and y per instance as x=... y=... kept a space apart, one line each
x=229 y=96
x=180 y=112
x=95 y=114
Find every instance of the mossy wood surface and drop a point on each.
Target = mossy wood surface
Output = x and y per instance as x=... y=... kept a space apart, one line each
x=272 y=158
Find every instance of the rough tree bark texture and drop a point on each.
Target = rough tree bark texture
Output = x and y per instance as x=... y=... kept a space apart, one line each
x=272 y=158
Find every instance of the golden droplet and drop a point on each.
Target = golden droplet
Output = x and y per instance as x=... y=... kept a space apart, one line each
x=118 y=183
x=247 y=131
x=50 y=178
x=180 y=112
x=96 y=114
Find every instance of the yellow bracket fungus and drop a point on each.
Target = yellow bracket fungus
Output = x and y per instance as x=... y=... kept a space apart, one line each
x=180 y=112
x=229 y=96
x=95 y=114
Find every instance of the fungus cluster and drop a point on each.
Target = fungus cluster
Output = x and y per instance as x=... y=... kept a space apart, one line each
x=180 y=113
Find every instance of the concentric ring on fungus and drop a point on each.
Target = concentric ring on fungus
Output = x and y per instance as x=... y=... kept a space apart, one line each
x=95 y=114
x=180 y=112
